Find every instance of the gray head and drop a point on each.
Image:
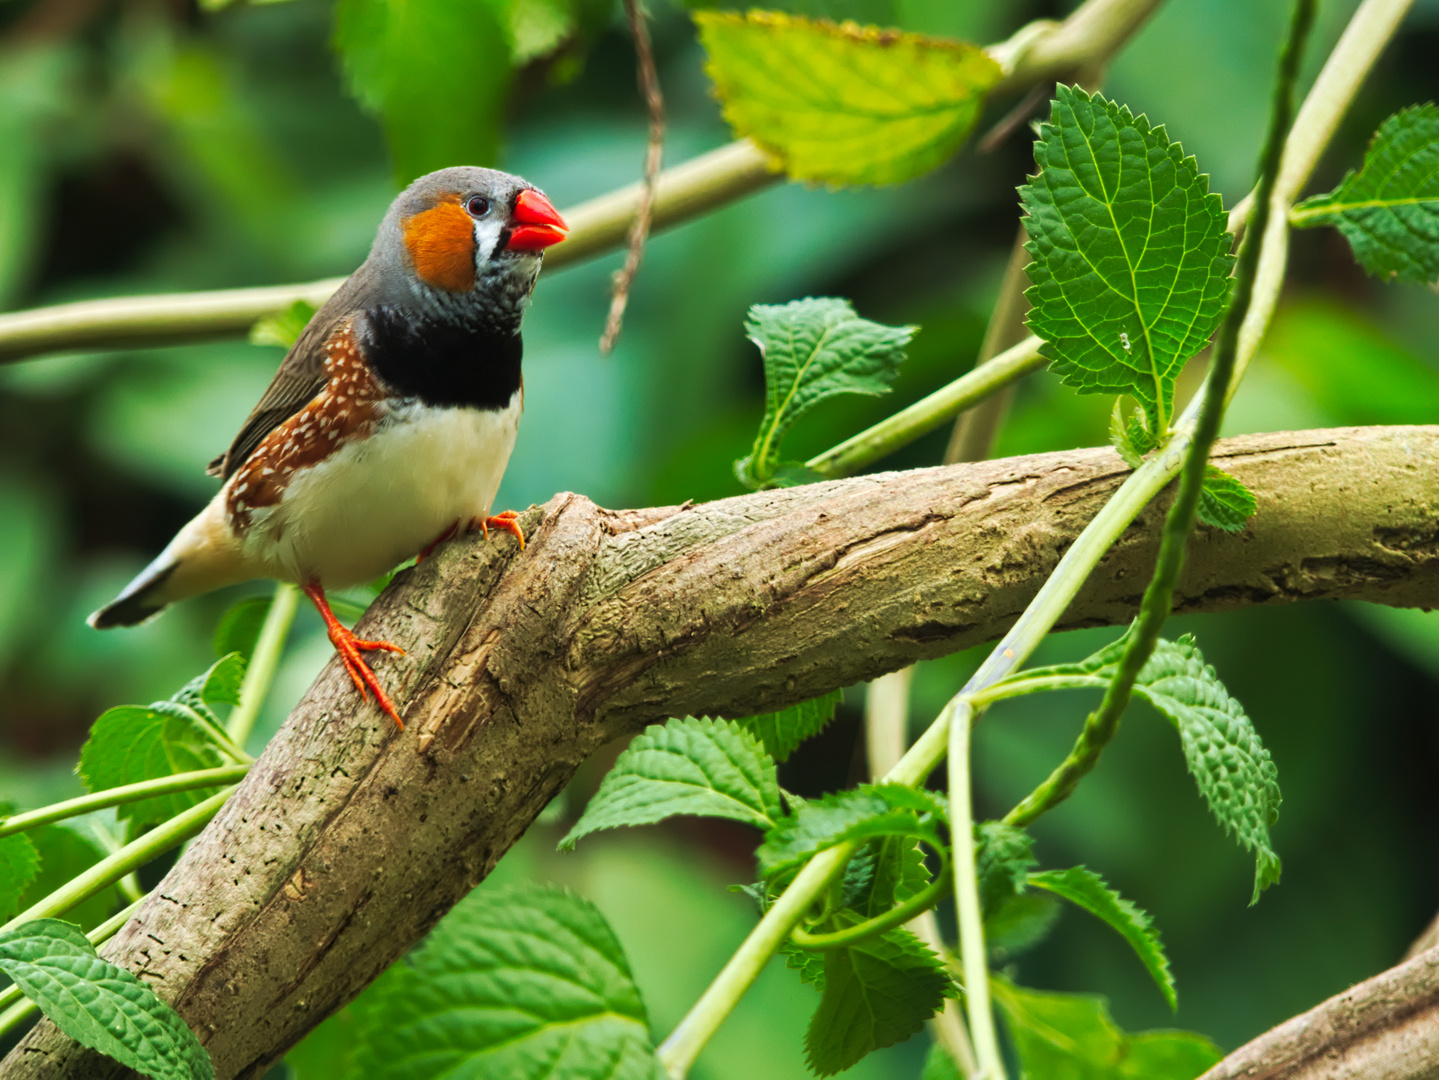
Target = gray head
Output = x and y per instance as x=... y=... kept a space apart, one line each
x=463 y=236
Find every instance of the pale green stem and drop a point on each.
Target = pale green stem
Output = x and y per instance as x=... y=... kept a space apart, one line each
x=931 y=412
x=118 y=796
x=17 y=1010
x=974 y=956
x=266 y=658
x=130 y=857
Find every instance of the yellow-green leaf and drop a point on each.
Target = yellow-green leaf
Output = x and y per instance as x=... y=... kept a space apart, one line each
x=844 y=104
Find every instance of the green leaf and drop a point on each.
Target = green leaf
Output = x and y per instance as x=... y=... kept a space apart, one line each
x=1073 y=1037
x=1019 y=924
x=1003 y=859
x=1082 y=886
x=814 y=349
x=844 y=104
x=1389 y=210
x=1131 y=260
x=899 y=873
x=877 y=992
x=710 y=768
x=239 y=628
x=19 y=863
x=1131 y=437
x=524 y=982
x=1225 y=502
x=98 y=1004
x=283 y=327
x=783 y=731
x=938 y=1065
x=218 y=686
x=1230 y=765
x=434 y=71
x=131 y=743
x=862 y=813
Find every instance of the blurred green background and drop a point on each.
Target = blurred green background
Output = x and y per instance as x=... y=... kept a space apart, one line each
x=155 y=146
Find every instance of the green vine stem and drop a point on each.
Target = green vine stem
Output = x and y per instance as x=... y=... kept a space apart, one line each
x=930 y=412
x=132 y=856
x=923 y=900
x=1372 y=25
x=1101 y=725
x=260 y=673
x=17 y=1010
x=973 y=955
x=118 y=796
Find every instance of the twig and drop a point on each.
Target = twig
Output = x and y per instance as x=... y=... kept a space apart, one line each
x=649 y=81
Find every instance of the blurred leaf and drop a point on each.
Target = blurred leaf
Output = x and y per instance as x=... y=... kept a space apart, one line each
x=538 y=27
x=1389 y=210
x=522 y=982
x=98 y=1004
x=30 y=534
x=1072 y=1037
x=862 y=813
x=875 y=12
x=1020 y=923
x=1082 y=886
x=938 y=1065
x=19 y=863
x=814 y=349
x=783 y=731
x=1003 y=859
x=877 y=992
x=283 y=327
x=434 y=71
x=711 y=768
x=1131 y=258
x=1225 y=502
x=1229 y=764
x=844 y=104
x=66 y=851
x=328 y=1051
x=239 y=628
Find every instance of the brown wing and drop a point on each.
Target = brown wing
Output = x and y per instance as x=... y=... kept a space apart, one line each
x=300 y=378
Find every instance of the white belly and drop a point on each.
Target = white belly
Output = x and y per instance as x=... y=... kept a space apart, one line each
x=378 y=501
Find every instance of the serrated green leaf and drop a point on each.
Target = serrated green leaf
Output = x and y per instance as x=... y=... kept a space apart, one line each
x=131 y=743
x=877 y=992
x=239 y=628
x=524 y=982
x=1119 y=436
x=1003 y=858
x=1073 y=1037
x=1082 y=886
x=783 y=731
x=710 y=768
x=1228 y=761
x=19 y=863
x=220 y=685
x=814 y=349
x=899 y=873
x=67 y=850
x=1389 y=210
x=98 y=1004
x=1131 y=258
x=1224 y=501
x=283 y=327
x=434 y=73
x=844 y=104
x=862 y=813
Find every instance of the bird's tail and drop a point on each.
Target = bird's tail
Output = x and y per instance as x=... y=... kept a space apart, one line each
x=204 y=555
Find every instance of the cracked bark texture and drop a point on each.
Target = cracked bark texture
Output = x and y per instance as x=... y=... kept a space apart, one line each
x=348 y=840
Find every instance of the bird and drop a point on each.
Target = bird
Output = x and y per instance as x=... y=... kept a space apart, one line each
x=389 y=423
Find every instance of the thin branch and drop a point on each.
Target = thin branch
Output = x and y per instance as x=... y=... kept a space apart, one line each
x=649 y=81
x=119 y=796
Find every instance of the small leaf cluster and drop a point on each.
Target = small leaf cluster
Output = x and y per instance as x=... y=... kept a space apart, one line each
x=813 y=349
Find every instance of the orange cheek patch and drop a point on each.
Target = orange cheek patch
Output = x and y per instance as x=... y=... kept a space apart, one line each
x=441 y=241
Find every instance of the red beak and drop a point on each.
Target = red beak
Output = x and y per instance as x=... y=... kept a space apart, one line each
x=537 y=223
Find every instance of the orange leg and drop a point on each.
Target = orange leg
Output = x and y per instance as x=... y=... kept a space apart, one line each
x=349 y=647
x=436 y=542
x=505 y=519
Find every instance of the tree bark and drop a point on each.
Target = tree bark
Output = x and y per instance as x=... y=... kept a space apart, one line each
x=349 y=839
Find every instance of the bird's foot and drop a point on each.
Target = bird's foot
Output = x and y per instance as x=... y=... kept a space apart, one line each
x=349 y=647
x=506 y=520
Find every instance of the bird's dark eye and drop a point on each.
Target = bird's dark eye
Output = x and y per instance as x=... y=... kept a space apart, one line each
x=478 y=205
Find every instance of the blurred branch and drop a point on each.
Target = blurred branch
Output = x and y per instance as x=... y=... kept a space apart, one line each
x=649 y=81
x=1036 y=53
x=520 y=666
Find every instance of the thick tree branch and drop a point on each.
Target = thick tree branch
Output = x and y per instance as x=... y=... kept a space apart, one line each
x=348 y=840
